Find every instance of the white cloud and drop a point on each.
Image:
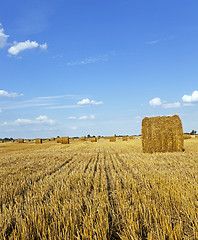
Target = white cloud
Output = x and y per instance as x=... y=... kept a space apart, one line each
x=71 y=117
x=43 y=46
x=7 y=94
x=3 y=37
x=92 y=116
x=188 y=104
x=191 y=98
x=41 y=118
x=22 y=46
x=23 y=121
x=86 y=101
x=155 y=102
x=172 y=105
x=83 y=118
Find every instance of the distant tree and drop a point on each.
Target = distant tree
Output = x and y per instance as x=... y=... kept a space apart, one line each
x=88 y=135
x=193 y=132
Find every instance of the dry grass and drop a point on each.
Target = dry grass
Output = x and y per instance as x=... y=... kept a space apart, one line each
x=97 y=191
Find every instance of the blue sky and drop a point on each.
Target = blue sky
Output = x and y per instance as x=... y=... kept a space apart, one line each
x=73 y=68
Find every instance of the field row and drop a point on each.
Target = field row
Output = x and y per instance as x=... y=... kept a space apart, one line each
x=98 y=191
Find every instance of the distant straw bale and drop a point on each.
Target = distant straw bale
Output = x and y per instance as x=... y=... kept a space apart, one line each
x=52 y=139
x=38 y=140
x=93 y=139
x=162 y=134
x=131 y=137
x=82 y=138
x=187 y=136
x=112 y=139
x=20 y=140
x=65 y=140
x=59 y=140
x=124 y=138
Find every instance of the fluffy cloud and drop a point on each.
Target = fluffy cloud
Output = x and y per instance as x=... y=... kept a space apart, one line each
x=43 y=46
x=83 y=117
x=86 y=101
x=3 y=37
x=190 y=98
x=7 y=94
x=22 y=46
x=23 y=121
x=155 y=102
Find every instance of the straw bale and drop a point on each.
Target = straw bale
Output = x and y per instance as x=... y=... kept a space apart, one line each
x=131 y=137
x=52 y=139
x=82 y=138
x=112 y=139
x=65 y=140
x=196 y=136
x=93 y=139
x=187 y=136
x=20 y=140
x=38 y=140
x=162 y=134
x=59 y=140
x=124 y=138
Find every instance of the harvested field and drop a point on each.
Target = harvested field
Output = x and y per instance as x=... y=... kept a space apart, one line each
x=98 y=191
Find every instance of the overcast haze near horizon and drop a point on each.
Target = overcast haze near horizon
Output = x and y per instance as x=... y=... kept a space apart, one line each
x=72 y=68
